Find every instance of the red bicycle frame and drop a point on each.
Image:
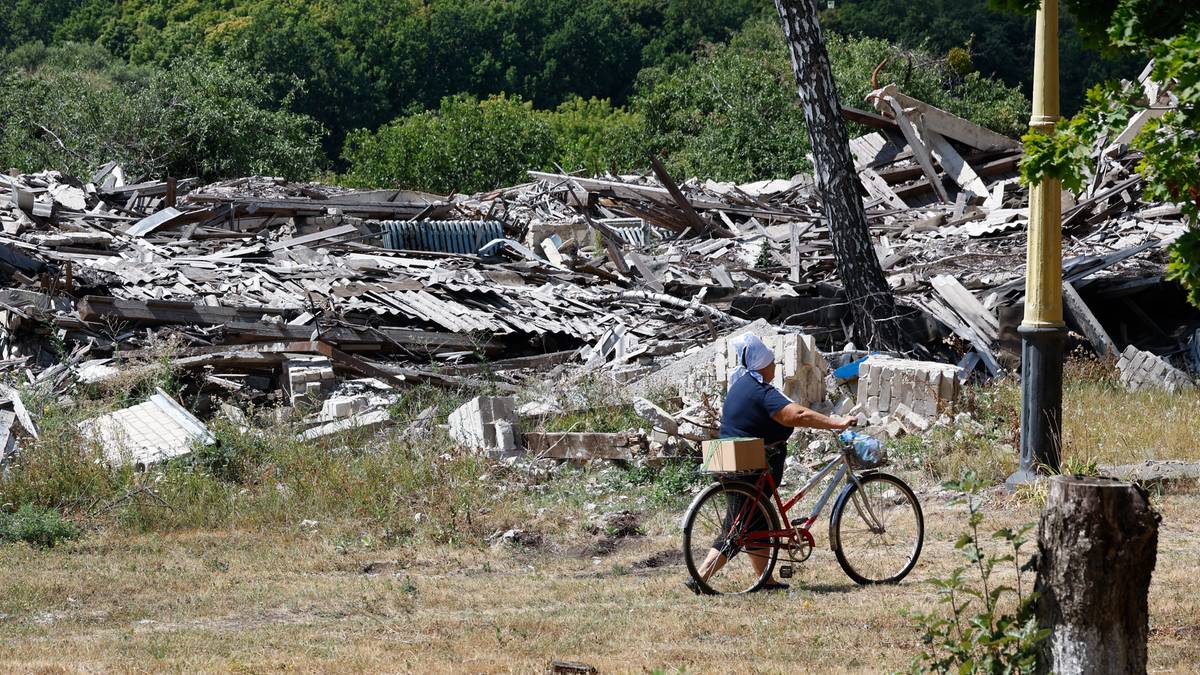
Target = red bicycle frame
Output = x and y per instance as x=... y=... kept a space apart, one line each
x=766 y=538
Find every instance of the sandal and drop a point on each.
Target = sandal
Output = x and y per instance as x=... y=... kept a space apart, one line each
x=694 y=587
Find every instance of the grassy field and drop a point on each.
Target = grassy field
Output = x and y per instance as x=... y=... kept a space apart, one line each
x=379 y=554
x=242 y=601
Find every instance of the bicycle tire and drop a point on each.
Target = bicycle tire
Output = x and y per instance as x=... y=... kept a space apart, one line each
x=848 y=527
x=711 y=505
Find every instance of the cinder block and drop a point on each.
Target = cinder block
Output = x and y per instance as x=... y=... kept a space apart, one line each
x=486 y=423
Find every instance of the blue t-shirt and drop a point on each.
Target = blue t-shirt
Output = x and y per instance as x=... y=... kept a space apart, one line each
x=748 y=409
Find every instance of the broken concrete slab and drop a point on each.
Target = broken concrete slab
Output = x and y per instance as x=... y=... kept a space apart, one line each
x=585 y=446
x=147 y=433
x=367 y=421
x=487 y=423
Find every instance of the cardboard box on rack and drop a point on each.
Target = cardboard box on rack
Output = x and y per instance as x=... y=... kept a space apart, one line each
x=727 y=455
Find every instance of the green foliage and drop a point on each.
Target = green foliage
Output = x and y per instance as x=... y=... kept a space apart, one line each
x=43 y=528
x=763 y=260
x=977 y=633
x=1184 y=264
x=1066 y=154
x=669 y=482
x=999 y=41
x=467 y=145
x=733 y=113
x=594 y=135
x=470 y=145
x=1168 y=32
x=68 y=108
x=1055 y=155
x=365 y=62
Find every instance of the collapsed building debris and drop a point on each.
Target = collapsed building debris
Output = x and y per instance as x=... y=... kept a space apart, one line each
x=277 y=292
x=147 y=433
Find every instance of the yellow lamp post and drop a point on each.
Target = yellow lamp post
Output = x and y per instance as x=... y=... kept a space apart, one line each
x=1042 y=330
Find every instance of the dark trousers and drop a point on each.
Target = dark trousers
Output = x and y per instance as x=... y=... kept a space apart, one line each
x=776 y=457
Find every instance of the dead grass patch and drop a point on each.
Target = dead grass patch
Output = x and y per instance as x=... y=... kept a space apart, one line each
x=225 y=601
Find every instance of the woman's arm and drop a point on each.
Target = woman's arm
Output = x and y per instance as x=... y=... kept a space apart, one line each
x=796 y=415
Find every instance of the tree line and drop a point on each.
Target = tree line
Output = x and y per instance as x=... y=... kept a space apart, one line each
x=437 y=95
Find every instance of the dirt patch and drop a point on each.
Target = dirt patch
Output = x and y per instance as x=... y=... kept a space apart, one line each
x=666 y=558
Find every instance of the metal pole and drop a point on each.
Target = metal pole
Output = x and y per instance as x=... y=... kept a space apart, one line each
x=1042 y=330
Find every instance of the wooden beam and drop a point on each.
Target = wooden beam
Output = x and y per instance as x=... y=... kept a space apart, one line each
x=243 y=325
x=1081 y=316
x=648 y=275
x=920 y=151
x=701 y=225
x=946 y=124
x=954 y=165
x=867 y=118
x=306 y=239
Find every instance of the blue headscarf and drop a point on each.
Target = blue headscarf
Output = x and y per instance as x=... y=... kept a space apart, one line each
x=751 y=356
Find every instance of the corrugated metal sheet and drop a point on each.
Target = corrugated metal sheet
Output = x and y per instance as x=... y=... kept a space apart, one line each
x=444 y=236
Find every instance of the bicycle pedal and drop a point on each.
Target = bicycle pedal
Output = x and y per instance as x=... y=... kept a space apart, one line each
x=785 y=571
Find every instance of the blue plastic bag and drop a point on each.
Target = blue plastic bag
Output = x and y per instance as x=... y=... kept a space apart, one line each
x=867 y=449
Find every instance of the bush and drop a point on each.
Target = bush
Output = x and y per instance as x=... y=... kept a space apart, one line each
x=595 y=136
x=733 y=113
x=67 y=108
x=979 y=633
x=43 y=528
x=466 y=145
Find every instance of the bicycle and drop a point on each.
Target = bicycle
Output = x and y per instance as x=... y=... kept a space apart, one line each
x=877 y=541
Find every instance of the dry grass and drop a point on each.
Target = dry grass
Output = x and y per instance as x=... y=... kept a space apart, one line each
x=250 y=602
x=227 y=579
x=1102 y=421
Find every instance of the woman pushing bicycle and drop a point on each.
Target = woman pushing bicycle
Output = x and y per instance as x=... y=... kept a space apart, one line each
x=755 y=408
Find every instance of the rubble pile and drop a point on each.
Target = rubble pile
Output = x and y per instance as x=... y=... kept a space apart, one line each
x=287 y=293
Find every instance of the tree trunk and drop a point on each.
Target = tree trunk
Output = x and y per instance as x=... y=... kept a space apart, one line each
x=867 y=291
x=1096 y=550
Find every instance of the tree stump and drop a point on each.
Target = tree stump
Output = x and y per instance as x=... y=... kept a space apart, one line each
x=1096 y=550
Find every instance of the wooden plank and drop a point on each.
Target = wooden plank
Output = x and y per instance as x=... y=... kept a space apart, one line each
x=946 y=124
x=920 y=152
x=966 y=305
x=936 y=308
x=700 y=225
x=954 y=165
x=867 y=118
x=877 y=186
x=794 y=253
x=1087 y=324
x=360 y=366
x=310 y=238
x=240 y=327
x=94 y=307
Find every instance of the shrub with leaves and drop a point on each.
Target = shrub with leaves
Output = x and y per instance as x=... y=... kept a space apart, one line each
x=43 y=528
x=1168 y=33
x=980 y=630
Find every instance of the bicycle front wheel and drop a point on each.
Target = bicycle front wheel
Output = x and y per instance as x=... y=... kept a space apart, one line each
x=876 y=529
x=718 y=557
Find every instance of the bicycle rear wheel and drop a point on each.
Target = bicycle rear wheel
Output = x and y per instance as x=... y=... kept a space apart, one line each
x=713 y=532
x=876 y=530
